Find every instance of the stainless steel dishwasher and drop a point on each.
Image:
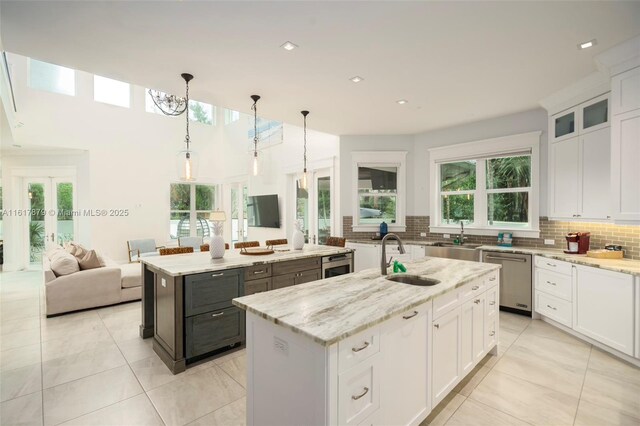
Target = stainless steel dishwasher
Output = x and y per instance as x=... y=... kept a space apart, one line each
x=515 y=280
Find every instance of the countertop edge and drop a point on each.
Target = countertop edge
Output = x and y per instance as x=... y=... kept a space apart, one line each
x=362 y=327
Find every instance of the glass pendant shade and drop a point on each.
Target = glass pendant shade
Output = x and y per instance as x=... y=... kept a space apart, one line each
x=255 y=164
x=303 y=180
x=187 y=165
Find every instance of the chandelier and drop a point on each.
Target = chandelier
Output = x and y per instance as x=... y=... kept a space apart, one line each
x=171 y=104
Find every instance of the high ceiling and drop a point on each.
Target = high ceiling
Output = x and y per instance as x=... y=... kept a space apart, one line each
x=454 y=62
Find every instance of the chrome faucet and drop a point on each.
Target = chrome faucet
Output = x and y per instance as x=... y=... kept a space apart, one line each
x=383 y=261
x=461 y=236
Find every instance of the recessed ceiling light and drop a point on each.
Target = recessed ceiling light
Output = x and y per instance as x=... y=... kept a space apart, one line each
x=289 y=46
x=356 y=79
x=402 y=101
x=587 y=44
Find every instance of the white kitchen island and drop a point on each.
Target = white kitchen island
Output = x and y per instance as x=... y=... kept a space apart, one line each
x=360 y=349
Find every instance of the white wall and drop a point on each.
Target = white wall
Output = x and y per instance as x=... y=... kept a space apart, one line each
x=131 y=158
x=418 y=158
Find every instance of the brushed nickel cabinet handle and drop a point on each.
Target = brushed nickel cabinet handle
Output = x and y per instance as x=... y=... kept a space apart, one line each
x=475 y=287
x=549 y=282
x=361 y=348
x=259 y=272
x=436 y=325
x=357 y=397
x=493 y=302
x=476 y=301
x=217 y=314
x=493 y=333
x=549 y=306
x=217 y=275
x=492 y=279
x=410 y=316
x=551 y=264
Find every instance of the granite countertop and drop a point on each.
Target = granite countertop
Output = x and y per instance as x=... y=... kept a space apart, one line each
x=627 y=266
x=194 y=263
x=333 y=309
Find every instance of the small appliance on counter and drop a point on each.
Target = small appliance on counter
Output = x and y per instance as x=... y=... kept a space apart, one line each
x=577 y=242
x=505 y=239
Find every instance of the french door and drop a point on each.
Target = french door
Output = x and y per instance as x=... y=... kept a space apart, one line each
x=313 y=206
x=50 y=216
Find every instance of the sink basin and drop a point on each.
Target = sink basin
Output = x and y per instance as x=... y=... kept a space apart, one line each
x=448 y=244
x=413 y=280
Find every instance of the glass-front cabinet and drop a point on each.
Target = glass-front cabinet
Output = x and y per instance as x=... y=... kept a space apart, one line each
x=586 y=117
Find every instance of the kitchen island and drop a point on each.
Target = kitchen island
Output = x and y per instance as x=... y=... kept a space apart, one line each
x=362 y=349
x=186 y=298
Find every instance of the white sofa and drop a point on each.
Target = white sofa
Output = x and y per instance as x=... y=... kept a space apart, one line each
x=91 y=288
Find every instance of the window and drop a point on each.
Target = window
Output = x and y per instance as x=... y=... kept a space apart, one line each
x=112 y=92
x=231 y=116
x=377 y=194
x=492 y=189
x=379 y=190
x=190 y=206
x=52 y=78
x=198 y=111
x=201 y=112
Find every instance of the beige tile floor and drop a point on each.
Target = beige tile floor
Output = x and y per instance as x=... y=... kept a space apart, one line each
x=91 y=368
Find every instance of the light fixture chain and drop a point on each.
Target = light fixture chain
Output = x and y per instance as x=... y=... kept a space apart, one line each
x=305 y=143
x=255 y=127
x=187 y=139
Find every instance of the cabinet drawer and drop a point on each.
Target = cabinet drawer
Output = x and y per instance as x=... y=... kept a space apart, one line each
x=558 y=285
x=555 y=308
x=282 y=268
x=209 y=291
x=553 y=265
x=359 y=392
x=471 y=290
x=257 y=272
x=491 y=280
x=213 y=330
x=444 y=303
x=358 y=348
x=257 y=286
x=492 y=301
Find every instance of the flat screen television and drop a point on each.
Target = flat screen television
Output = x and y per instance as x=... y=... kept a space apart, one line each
x=262 y=211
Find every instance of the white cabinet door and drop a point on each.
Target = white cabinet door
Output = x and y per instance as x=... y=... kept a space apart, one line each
x=445 y=370
x=404 y=396
x=625 y=91
x=625 y=161
x=467 y=319
x=604 y=307
x=478 y=334
x=366 y=256
x=595 y=153
x=564 y=167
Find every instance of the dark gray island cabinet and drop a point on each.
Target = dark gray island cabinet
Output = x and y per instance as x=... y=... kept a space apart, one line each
x=187 y=299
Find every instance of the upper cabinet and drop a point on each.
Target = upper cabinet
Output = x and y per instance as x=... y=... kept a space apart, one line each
x=625 y=146
x=579 y=162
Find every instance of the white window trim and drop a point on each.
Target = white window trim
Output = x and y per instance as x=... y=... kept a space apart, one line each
x=380 y=159
x=193 y=213
x=488 y=147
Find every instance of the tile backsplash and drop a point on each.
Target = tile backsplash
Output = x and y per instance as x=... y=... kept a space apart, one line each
x=628 y=236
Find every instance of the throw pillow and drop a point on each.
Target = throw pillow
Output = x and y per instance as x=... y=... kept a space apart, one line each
x=80 y=251
x=90 y=261
x=50 y=252
x=64 y=264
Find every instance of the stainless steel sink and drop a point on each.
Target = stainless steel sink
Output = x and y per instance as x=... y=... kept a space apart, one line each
x=452 y=251
x=413 y=280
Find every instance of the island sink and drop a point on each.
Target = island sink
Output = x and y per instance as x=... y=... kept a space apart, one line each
x=413 y=280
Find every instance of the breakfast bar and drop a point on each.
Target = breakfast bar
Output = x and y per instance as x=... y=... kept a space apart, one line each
x=186 y=298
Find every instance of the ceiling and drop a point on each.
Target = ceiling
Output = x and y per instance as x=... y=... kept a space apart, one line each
x=455 y=62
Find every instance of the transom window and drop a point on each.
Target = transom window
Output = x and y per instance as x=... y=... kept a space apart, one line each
x=201 y=112
x=111 y=91
x=52 y=78
x=190 y=207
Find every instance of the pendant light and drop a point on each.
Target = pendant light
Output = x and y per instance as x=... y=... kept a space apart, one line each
x=303 y=178
x=254 y=161
x=187 y=160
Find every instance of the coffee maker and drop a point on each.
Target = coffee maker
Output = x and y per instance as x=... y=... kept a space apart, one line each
x=577 y=242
